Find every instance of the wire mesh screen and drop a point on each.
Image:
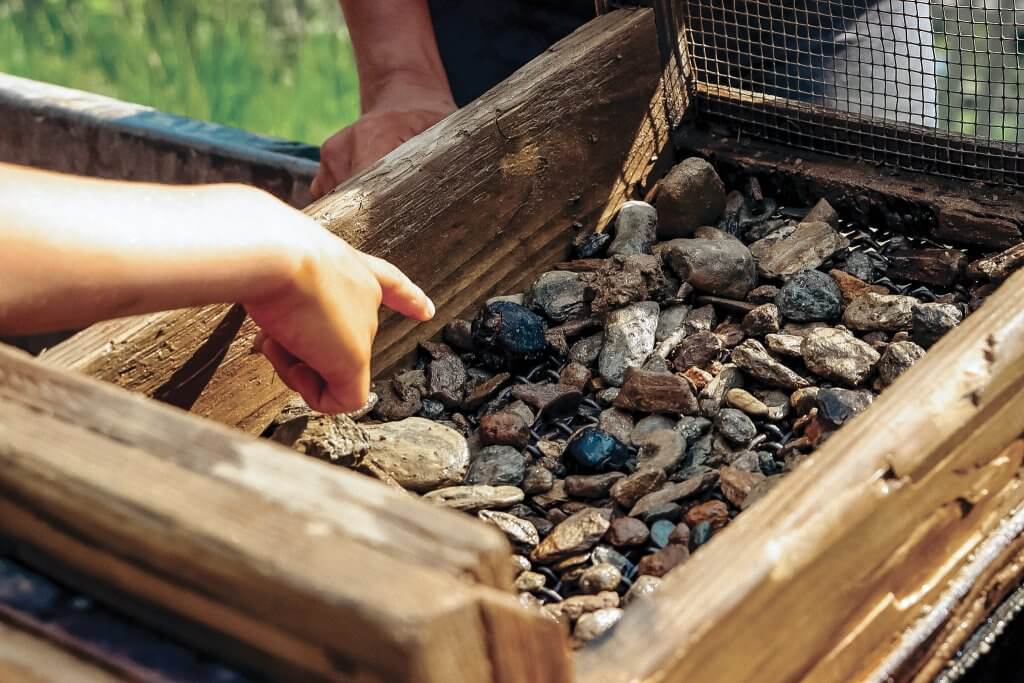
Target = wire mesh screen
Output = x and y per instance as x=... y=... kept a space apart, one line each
x=908 y=83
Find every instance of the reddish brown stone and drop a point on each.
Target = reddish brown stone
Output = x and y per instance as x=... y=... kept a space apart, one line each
x=663 y=561
x=851 y=287
x=737 y=484
x=504 y=428
x=591 y=485
x=714 y=511
x=655 y=392
x=554 y=400
x=627 y=531
x=626 y=492
x=937 y=267
x=574 y=375
x=699 y=349
x=680 y=535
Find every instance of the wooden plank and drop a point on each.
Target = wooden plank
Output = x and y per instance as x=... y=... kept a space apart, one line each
x=328 y=573
x=28 y=658
x=477 y=204
x=840 y=550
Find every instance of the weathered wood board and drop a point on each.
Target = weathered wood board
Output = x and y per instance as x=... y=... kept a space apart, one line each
x=28 y=658
x=504 y=214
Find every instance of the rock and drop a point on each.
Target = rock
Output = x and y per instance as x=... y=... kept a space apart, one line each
x=628 y=340
x=822 y=212
x=586 y=350
x=806 y=247
x=897 y=359
x=885 y=312
x=929 y=322
x=723 y=267
x=674 y=493
x=558 y=296
x=670 y=320
x=522 y=410
x=776 y=401
x=702 y=533
x=765 y=319
x=691 y=195
x=509 y=328
x=636 y=229
x=998 y=267
x=837 y=406
x=730 y=333
x=574 y=375
x=655 y=392
x=761 y=490
x=660 y=531
x=419 y=454
x=656 y=363
x=328 y=437
x=504 y=428
x=475 y=498
x=590 y=245
x=860 y=266
x=597 y=450
x=802 y=400
x=752 y=358
x=606 y=397
x=497 y=466
x=698 y=379
x=852 y=287
x=484 y=392
x=735 y=426
x=737 y=484
x=680 y=535
x=741 y=399
x=700 y=320
x=537 y=480
x=788 y=345
x=626 y=492
x=662 y=562
x=627 y=531
x=516 y=299
x=713 y=395
x=518 y=530
x=593 y=625
x=577 y=534
x=401 y=397
x=642 y=585
x=459 y=334
x=936 y=267
x=647 y=426
x=838 y=356
x=529 y=582
x=662 y=450
x=574 y=607
x=616 y=422
x=697 y=350
x=552 y=400
x=764 y=294
x=520 y=564
x=591 y=485
x=802 y=329
x=714 y=512
x=810 y=295
x=600 y=577
x=624 y=280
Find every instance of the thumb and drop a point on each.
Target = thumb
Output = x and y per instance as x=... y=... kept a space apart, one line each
x=400 y=294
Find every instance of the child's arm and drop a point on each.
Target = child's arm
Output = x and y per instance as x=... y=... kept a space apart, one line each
x=76 y=250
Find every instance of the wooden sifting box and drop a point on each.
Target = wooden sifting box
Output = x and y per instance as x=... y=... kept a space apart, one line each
x=128 y=464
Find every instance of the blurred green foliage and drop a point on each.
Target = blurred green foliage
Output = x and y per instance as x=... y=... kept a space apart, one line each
x=278 y=67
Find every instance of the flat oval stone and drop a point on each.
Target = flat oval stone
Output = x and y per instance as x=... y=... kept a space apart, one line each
x=626 y=492
x=600 y=577
x=655 y=392
x=419 y=454
x=628 y=340
x=837 y=406
x=593 y=625
x=577 y=534
x=475 y=498
x=722 y=267
x=594 y=449
x=735 y=426
x=885 y=312
x=518 y=530
x=497 y=466
x=663 y=561
x=627 y=531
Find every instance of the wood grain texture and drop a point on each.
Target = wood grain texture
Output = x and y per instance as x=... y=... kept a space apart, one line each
x=478 y=204
x=29 y=658
x=327 y=572
x=846 y=551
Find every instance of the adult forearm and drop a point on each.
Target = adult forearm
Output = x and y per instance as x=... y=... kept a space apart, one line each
x=77 y=250
x=396 y=51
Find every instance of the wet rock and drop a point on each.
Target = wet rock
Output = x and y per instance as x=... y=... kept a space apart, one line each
x=723 y=267
x=592 y=245
x=537 y=479
x=663 y=450
x=670 y=319
x=552 y=400
x=597 y=450
x=475 y=498
x=628 y=340
x=808 y=246
x=735 y=426
x=885 y=312
x=518 y=530
x=626 y=492
x=764 y=294
x=509 y=328
x=810 y=295
x=574 y=375
x=616 y=422
x=674 y=493
x=497 y=466
x=418 y=454
x=765 y=319
x=837 y=406
x=579 y=533
x=627 y=531
x=838 y=356
x=696 y=350
x=484 y=392
x=663 y=561
x=401 y=397
x=822 y=212
x=741 y=399
x=691 y=195
x=936 y=267
x=504 y=428
x=753 y=359
x=593 y=625
x=459 y=335
x=701 y=534
x=852 y=287
x=897 y=359
x=586 y=350
x=647 y=426
x=737 y=484
x=655 y=392
x=529 y=582
x=591 y=485
x=660 y=531
x=713 y=395
x=860 y=266
x=558 y=296
x=636 y=229
x=713 y=512
x=929 y=322
x=600 y=577
x=643 y=585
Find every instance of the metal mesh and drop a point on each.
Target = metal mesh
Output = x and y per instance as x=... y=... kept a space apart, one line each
x=928 y=87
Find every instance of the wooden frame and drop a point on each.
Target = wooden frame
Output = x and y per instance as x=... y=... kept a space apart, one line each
x=904 y=509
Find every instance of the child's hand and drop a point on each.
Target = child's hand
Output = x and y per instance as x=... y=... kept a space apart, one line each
x=318 y=329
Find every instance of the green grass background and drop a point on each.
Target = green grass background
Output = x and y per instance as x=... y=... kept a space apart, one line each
x=278 y=67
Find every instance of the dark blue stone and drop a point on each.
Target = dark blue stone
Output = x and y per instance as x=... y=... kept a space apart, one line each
x=431 y=409
x=596 y=450
x=511 y=328
x=25 y=590
x=701 y=534
x=592 y=246
x=766 y=461
x=660 y=531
